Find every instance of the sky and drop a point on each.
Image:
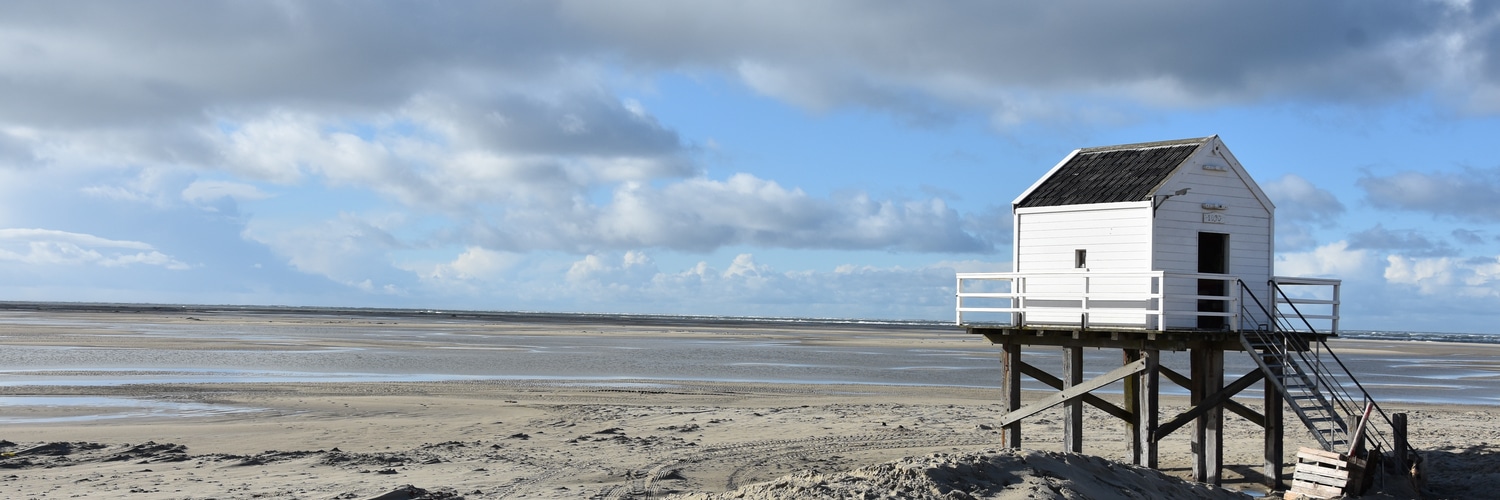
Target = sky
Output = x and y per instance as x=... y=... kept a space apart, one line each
x=830 y=159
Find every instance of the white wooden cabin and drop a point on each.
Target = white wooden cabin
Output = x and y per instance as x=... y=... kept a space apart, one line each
x=1155 y=236
x=1160 y=247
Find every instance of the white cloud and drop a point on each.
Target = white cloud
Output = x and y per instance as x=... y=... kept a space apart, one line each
x=748 y=287
x=153 y=186
x=1301 y=206
x=632 y=269
x=476 y=264
x=1297 y=199
x=528 y=202
x=352 y=250
x=203 y=192
x=1334 y=260
x=738 y=285
x=50 y=247
x=703 y=214
x=1446 y=276
x=744 y=266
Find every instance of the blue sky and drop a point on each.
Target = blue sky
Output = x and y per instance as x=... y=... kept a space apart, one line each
x=825 y=159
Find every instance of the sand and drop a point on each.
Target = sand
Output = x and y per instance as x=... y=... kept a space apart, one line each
x=629 y=439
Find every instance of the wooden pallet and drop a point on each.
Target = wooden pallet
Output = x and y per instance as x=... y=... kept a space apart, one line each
x=1319 y=474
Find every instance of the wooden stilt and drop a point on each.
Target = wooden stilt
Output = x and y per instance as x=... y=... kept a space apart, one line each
x=1010 y=392
x=1132 y=406
x=1073 y=410
x=1197 y=372
x=1275 y=448
x=1146 y=414
x=1208 y=438
x=1398 y=442
x=1213 y=420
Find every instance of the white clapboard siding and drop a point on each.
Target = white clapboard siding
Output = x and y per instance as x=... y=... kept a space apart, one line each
x=1246 y=218
x=1116 y=236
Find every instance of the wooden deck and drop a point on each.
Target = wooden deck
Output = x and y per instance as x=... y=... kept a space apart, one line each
x=1106 y=338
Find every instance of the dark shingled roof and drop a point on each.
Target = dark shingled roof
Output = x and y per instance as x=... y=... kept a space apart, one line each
x=1128 y=172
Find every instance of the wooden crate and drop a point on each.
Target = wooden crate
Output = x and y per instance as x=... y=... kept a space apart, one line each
x=1319 y=474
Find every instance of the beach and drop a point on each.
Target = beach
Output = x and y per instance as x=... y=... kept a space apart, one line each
x=222 y=403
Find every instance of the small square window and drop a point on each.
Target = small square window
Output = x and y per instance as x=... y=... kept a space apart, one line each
x=1081 y=259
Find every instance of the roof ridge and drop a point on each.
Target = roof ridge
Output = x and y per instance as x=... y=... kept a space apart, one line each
x=1147 y=145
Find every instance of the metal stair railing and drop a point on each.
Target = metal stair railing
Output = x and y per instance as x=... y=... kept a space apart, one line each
x=1376 y=436
x=1300 y=383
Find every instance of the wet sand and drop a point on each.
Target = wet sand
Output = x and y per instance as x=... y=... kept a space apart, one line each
x=182 y=427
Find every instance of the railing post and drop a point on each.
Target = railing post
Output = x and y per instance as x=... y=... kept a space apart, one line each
x=1334 y=328
x=1275 y=291
x=958 y=293
x=1234 y=303
x=1019 y=286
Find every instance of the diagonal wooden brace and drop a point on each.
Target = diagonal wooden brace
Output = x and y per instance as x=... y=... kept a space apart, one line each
x=1215 y=399
x=1096 y=401
x=1074 y=392
x=1177 y=378
x=1229 y=404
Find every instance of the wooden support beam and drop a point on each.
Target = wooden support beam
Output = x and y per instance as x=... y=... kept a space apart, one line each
x=1215 y=399
x=1132 y=405
x=1398 y=442
x=1208 y=436
x=1105 y=339
x=1147 y=408
x=1274 y=446
x=1072 y=393
x=1056 y=383
x=1072 y=408
x=1197 y=365
x=1177 y=378
x=1229 y=404
x=1010 y=392
x=1245 y=412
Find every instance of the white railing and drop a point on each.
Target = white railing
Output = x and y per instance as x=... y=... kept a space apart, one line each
x=1131 y=300
x=1313 y=303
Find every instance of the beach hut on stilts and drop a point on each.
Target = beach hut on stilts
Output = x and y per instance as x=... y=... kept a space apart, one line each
x=1167 y=248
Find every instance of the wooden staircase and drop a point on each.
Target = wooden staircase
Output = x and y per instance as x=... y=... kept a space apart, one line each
x=1291 y=353
x=1299 y=384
